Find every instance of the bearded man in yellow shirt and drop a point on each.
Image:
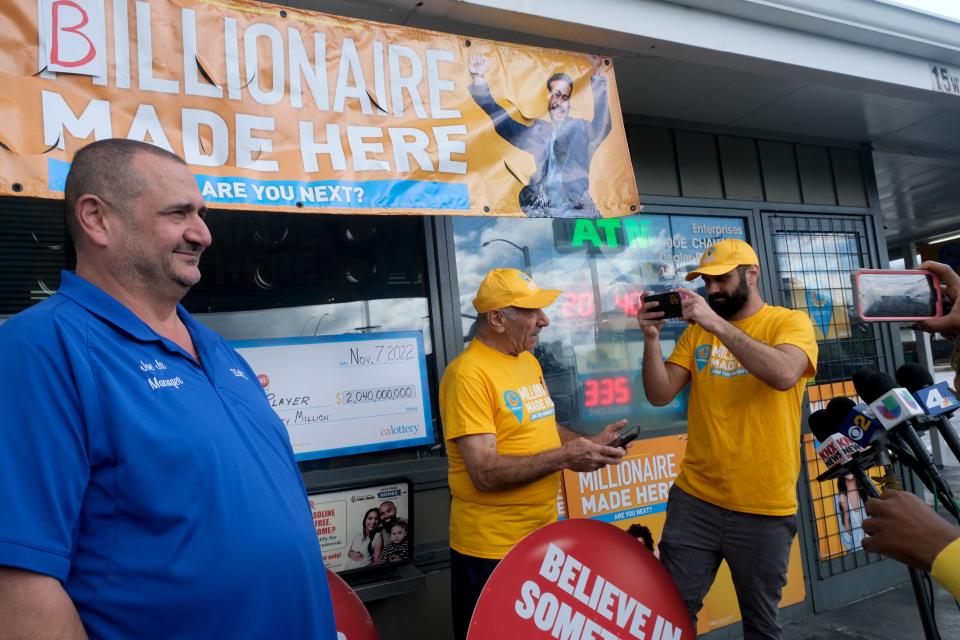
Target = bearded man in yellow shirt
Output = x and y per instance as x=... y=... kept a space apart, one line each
x=735 y=499
x=504 y=447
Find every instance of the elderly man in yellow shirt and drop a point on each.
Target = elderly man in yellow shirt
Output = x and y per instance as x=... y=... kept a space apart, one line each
x=504 y=446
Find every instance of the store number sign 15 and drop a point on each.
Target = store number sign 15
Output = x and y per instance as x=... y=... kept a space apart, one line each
x=945 y=79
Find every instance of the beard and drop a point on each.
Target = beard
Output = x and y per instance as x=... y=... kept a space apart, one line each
x=728 y=305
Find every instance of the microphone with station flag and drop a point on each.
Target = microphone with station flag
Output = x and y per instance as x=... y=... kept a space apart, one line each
x=855 y=421
x=936 y=399
x=897 y=410
x=840 y=454
x=858 y=423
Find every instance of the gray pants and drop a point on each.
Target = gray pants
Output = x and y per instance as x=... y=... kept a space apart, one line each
x=698 y=535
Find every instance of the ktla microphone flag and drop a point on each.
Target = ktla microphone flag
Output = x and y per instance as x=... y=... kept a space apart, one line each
x=283 y=109
x=580 y=579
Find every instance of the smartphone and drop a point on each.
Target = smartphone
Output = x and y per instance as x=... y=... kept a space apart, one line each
x=669 y=303
x=891 y=295
x=626 y=437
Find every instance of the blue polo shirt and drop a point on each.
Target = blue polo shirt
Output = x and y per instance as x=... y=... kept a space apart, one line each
x=160 y=491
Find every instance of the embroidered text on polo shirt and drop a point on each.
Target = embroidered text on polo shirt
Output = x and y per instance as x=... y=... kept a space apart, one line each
x=156 y=383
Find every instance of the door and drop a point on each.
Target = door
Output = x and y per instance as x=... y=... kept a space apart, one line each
x=811 y=258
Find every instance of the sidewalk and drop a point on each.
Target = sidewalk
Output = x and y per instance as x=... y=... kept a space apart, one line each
x=891 y=615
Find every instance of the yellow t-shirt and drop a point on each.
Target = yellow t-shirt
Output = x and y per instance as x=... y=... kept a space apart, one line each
x=743 y=451
x=946 y=568
x=486 y=391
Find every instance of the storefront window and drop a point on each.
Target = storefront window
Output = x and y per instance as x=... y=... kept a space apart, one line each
x=34 y=248
x=592 y=352
x=270 y=275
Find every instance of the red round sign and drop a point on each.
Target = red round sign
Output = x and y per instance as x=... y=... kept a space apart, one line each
x=352 y=618
x=580 y=579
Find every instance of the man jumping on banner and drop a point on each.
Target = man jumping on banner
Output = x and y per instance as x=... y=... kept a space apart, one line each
x=562 y=147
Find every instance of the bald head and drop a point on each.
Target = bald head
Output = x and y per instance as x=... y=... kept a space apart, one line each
x=105 y=168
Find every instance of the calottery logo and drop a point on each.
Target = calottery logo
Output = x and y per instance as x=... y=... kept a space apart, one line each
x=514 y=403
x=702 y=356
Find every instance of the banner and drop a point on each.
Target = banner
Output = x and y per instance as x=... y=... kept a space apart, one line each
x=285 y=109
x=633 y=496
x=345 y=394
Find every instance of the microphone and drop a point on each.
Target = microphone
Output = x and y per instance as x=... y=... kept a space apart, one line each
x=840 y=454
x=835 y=448
x=896 y=409
x=893 y=405
x=859 y=424
x=860 y=378
x=937 y=399
x=855 y=421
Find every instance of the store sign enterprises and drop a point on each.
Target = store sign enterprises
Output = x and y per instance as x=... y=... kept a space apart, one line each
x=287 y=109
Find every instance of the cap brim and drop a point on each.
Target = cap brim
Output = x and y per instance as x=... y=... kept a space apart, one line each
x=711 y=270
x=539 y=300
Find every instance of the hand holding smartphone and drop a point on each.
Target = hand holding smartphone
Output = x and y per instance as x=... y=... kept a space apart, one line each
x=626 y=437
x=890 y=295
x=669 y=303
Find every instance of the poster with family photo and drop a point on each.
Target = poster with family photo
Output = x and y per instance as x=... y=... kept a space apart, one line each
x=364 y=528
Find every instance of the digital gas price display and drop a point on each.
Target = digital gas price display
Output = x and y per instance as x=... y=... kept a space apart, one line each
x=606 y=391
x=607 y=396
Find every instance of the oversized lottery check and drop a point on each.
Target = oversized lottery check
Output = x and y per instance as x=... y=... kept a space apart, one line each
x=346 y=394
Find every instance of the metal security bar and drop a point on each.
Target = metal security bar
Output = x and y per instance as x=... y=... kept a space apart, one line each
x=815 y=257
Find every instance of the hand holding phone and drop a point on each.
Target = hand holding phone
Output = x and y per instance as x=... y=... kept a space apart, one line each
x=949 y=323
x=670 y=303
x=890 y=295
x=626 y=437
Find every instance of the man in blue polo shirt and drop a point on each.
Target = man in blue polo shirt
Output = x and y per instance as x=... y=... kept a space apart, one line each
x=147 y=489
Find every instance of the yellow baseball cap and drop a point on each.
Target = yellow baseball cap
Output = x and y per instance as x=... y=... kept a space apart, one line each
x=511 y=288
x=724 y=257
